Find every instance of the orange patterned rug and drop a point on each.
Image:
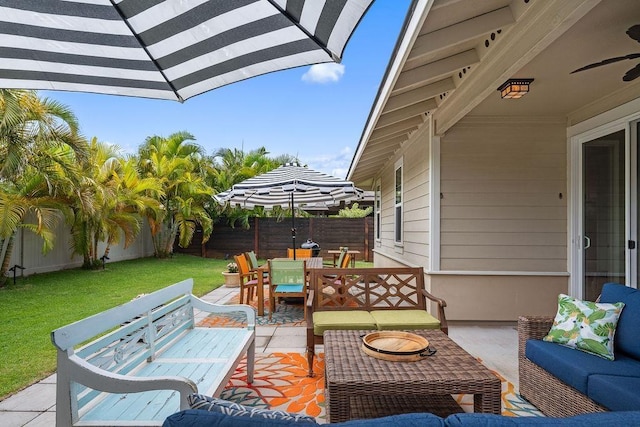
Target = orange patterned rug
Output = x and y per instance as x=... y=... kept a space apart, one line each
x=281 y=382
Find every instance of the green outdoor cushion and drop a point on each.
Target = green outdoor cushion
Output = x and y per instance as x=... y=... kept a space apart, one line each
x=343 y=320
x=394 y=320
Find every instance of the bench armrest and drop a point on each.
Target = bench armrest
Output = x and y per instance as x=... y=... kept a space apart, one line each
x=81 y=371
x=532 y=327
x=441 y=305
x=219 y=308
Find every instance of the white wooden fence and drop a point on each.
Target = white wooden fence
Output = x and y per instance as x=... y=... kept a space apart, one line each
x=27 y=251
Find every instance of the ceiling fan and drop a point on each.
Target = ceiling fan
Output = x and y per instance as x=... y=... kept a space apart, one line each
x=631 y=74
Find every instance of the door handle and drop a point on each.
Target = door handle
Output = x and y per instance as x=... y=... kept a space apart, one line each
x=587 y=242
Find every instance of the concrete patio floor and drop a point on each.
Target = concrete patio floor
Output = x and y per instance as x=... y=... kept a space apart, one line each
x=495 y=344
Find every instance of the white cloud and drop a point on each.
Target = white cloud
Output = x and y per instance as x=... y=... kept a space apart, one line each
x=324 y=73
x=333 y=164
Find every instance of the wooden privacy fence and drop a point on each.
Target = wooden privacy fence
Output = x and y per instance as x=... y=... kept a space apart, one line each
x=270 y=238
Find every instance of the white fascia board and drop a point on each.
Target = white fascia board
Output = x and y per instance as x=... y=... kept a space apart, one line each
x=408 y=39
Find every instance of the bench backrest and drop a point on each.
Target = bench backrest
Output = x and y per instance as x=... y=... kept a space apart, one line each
x=128 y=335
x=367 y=288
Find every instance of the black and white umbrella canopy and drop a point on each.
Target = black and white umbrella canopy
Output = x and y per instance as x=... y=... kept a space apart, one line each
x=309 y=188
x=171 y=49
x=292 y=186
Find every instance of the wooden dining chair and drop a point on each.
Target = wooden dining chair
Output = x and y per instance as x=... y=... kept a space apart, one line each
x=288 y=279
x=300 y=253
x=252 y=259
x=248 y=278
x=344 y=263
x=343 y=252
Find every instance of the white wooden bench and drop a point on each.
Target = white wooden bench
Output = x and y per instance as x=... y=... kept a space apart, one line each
x=145 y=358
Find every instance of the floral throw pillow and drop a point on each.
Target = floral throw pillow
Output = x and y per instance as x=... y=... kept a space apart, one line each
x=214 y=404
x=585 y=325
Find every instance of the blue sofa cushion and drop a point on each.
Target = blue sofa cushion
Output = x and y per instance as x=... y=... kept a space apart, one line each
x=626 y=337
x=201 y=418
x=614 y=392
x=600 y=419
x=573 y=367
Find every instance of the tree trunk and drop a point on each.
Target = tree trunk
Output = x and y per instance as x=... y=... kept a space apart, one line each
x=6 y=259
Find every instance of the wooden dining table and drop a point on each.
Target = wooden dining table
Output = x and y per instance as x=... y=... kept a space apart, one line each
x=311 y=263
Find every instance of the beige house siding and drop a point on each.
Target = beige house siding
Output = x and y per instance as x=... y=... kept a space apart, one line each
x=414 y=249
x=497 y=298
x=504 y=196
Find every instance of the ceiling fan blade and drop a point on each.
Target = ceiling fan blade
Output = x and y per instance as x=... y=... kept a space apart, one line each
x=607 y=62
x=632 y=74
x=634 y=32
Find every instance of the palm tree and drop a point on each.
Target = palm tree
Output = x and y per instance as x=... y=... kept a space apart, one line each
x=108 y=203
x=28 y=199
x=39 y=152
x=176 y=162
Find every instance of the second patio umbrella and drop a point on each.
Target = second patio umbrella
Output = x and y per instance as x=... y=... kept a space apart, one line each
x=292 y=186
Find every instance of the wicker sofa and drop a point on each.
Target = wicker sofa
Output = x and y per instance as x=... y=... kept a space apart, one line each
x=561 y=381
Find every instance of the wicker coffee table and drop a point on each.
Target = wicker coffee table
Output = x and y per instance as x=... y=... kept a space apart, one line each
x=361 y=386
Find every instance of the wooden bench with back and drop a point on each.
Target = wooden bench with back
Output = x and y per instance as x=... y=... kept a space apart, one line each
x=369 y=299
x=145 y=357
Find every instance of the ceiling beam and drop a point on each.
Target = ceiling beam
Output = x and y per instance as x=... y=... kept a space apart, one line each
x=422 y=93
x=381 y=144
x=371 y=170
x=429 y=45
x=436 y=70
x=396 y=129
x=379 y=159
x=413 y=110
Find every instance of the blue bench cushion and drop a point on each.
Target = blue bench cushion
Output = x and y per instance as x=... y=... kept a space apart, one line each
x=200 y=418
x=627 y=331
x=614 y=392
x=592 y=420
x=573 y=367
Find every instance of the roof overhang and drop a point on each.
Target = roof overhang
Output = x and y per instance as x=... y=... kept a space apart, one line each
x=452 y=55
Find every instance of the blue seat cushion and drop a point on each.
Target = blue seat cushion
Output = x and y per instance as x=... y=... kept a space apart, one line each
x=603 y=419
x=201 y=418
x=292 y=288
x=614 y=392
x=628 y=329
x=573 y=367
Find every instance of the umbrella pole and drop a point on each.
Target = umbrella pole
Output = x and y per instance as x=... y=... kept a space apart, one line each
x=293 y=228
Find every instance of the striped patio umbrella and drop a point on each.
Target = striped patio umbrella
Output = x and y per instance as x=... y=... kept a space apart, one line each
x=292 y=186
x=171 y=49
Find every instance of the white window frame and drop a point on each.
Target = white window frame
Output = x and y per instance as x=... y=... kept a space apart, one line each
x=398 y=225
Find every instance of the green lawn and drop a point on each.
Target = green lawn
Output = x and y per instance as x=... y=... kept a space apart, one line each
x=38 y=304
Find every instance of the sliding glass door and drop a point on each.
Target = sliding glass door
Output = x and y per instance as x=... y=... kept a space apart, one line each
x=604 y=210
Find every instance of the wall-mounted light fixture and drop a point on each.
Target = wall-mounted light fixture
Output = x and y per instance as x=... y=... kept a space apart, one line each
x=514 y=88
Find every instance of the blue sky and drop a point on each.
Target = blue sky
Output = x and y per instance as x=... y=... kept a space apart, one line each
x=316 y=113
